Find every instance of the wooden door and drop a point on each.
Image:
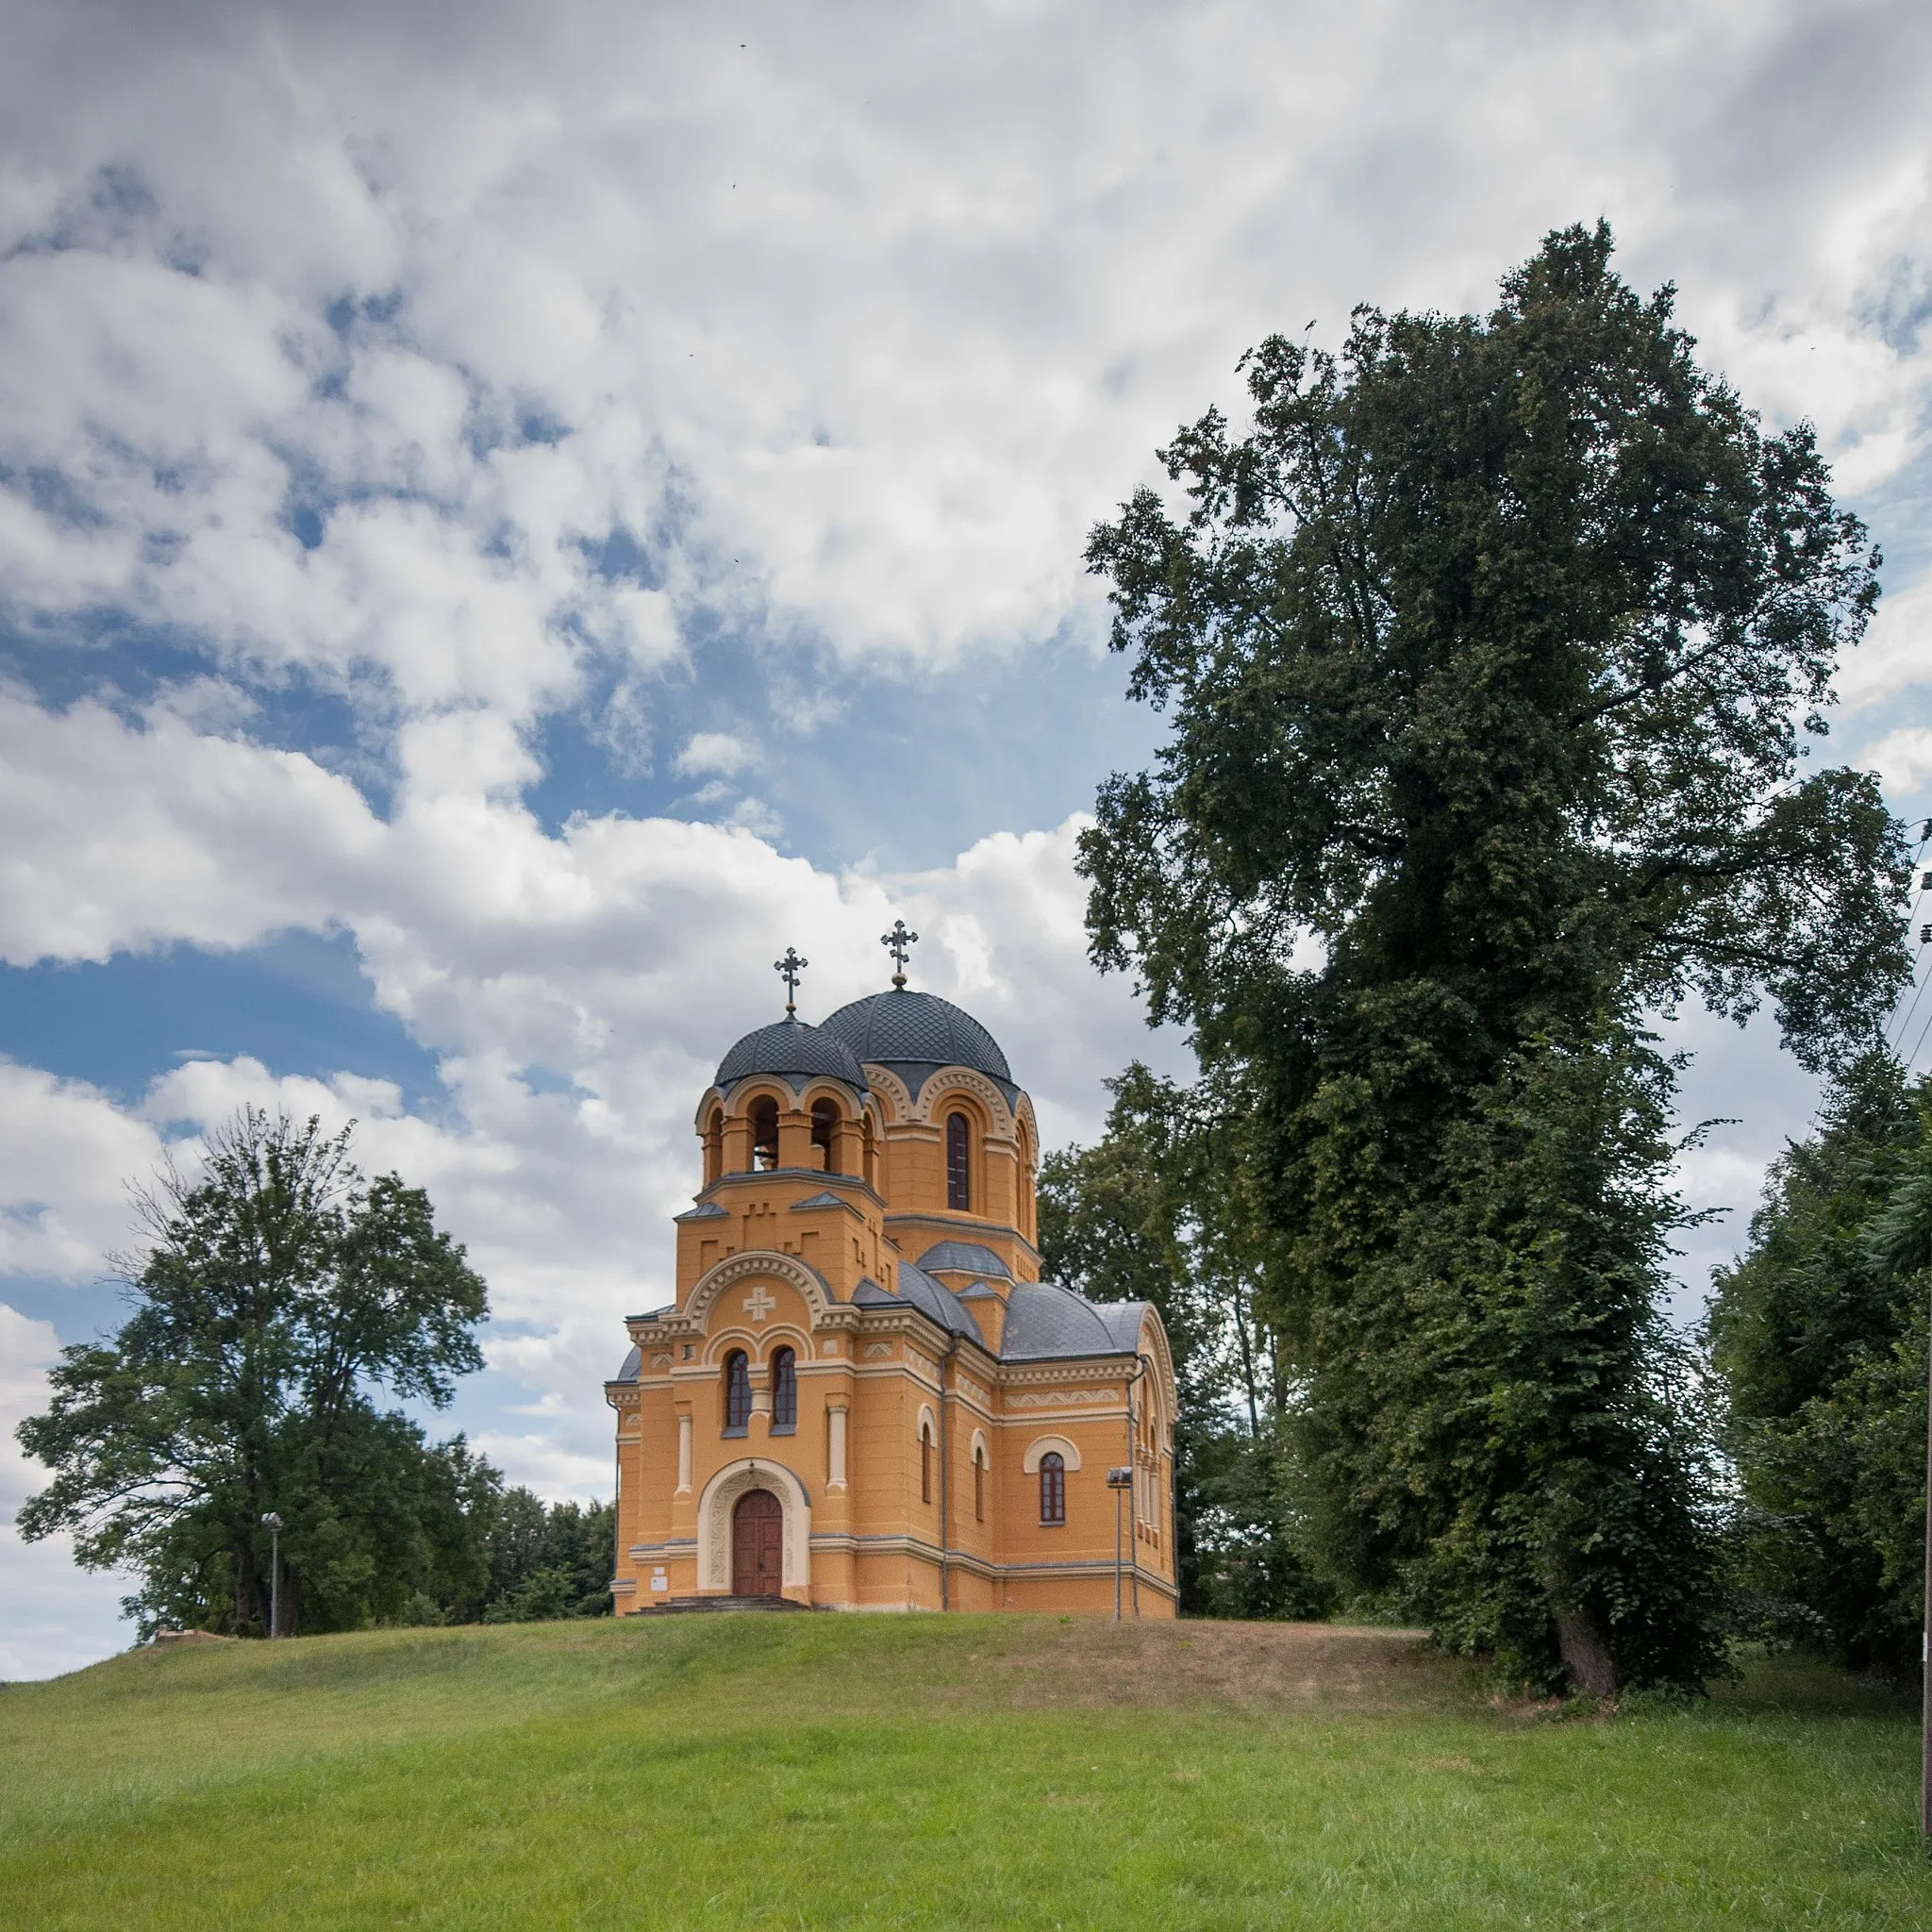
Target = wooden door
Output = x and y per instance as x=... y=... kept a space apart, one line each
x=757 y=1546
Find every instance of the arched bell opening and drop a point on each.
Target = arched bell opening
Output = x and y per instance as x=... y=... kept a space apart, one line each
x=825 y=1137
x=764 y=1134
x=714 y=1146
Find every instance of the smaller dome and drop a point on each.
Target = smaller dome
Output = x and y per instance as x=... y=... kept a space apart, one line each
x=795 y=1052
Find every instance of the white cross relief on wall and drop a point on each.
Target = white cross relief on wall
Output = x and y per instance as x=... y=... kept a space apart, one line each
x=759 y=1302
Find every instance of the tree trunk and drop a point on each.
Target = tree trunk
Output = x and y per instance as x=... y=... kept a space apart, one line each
x=1586 y=1656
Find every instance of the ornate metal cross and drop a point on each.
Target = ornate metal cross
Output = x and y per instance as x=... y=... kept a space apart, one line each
x=895 y=943
x=788 y=969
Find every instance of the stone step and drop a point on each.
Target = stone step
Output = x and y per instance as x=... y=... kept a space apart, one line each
x=680 y=1606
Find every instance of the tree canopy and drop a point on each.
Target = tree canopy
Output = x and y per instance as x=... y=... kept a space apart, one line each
x=1819 y=1334
x=1491 y=649
x=280 y=1295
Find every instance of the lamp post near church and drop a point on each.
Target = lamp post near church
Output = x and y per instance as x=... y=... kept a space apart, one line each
x=273 y=1523
x=1120 y=1481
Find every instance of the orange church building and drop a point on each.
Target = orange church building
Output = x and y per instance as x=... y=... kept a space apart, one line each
x=864 y=1397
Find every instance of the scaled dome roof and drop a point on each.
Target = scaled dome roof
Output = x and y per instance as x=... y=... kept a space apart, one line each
x=794 y=1051
x=910 y=1028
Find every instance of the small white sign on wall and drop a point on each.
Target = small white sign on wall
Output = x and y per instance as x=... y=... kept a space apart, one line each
x=658 y=1580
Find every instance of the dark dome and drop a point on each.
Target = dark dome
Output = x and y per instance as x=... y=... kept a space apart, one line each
x=920 y=1029
x=793 y=1050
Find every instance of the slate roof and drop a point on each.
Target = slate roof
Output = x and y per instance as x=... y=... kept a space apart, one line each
x=632 y=1362
x=1045 y=1321
x=917 y=1033
x=963 y=1258
x=794 y=1051
x=934 y=1299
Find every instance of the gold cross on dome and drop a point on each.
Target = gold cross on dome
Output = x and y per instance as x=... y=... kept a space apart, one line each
x=788 y=969
x=759 y=1302
x=896 y=943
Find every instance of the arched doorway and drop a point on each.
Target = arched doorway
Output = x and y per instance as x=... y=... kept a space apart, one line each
x=757 y=1546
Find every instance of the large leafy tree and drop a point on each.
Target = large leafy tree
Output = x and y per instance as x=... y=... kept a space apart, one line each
x=1819 y=1334
x=1490 y=650
x=279 y=1298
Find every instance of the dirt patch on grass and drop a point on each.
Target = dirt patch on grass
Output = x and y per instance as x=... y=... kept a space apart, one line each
x=1191 y=1666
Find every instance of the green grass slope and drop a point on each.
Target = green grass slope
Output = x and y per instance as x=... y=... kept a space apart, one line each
x=819 y=1771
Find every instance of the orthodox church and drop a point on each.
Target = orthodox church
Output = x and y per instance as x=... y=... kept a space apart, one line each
x=864 y=1397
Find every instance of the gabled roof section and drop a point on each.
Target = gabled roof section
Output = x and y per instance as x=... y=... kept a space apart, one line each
x=936 y=1300
x=709 y=1210
x=963 y=1258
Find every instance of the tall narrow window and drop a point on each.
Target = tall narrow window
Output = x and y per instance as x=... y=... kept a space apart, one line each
x=737 y=1394
x=1053 y=1487
x=714 y=1146
x=959 y=1163
x=824 y=1124
x=784 y=1392
x=979 y=1486
x=764 y=1133
x=924 y=1463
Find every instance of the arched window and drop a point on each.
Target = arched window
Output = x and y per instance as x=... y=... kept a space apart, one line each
x=764 y=1133
x=959 y=1163
x=784 y=1392
x=714 y=1146
x=824 y=1124
x=924 y=1463
x=872 y=1170
x=978 y=1484
x=1053 y=1487
x=737 y=1394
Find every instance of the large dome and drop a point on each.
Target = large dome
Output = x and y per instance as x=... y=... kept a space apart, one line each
x=794 y=1051
x=904 y=1028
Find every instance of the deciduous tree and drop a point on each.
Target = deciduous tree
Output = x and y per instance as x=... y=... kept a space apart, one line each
x=1491 y=649
x=279 y=1296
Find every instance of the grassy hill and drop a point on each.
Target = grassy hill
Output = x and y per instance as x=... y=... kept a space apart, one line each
x=822 y=1771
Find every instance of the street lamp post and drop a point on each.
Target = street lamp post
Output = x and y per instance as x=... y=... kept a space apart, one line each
x=273 y=1523
x=1120 y=1481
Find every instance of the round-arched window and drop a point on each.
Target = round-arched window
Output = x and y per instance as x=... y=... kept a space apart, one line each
x=958 y=1162
x=784 y=1391
x=737 y=1392
x=1053 y=1487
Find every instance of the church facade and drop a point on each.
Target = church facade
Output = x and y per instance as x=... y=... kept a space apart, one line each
x=863 y=1397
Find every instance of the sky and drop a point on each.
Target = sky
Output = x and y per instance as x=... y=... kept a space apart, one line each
x=511 y=516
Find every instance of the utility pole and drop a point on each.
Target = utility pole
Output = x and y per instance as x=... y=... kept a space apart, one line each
x=273 y=1524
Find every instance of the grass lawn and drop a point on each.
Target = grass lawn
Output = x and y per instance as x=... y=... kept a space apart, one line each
x=825 y=1771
